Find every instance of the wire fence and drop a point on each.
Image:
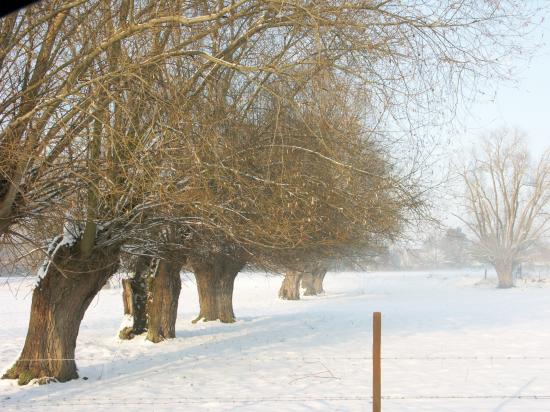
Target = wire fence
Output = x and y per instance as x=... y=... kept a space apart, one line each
x=319 y=358
x=182 y=400
x=7 y=402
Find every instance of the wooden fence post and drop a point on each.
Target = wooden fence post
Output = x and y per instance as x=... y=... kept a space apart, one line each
x=376 y=364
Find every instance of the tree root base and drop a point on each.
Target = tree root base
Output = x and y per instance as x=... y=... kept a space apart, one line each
x=128 y=333
x=25 y=376
x=209 y=319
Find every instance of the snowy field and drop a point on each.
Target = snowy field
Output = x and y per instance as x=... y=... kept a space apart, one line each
x=450 y=343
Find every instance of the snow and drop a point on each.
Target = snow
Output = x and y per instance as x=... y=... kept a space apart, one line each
x=68 y=238
x=445 y=334
x=127 y=322
x=53 y=247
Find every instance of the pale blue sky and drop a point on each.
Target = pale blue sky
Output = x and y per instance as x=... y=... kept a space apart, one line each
x=523 y=102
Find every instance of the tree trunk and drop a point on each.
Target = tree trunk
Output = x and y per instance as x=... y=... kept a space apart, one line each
x=59 y=302
x=318 y=278
x=290 y=289
x=135 y=299
x=312 y=281
x=504 y=271
x=162 y=303
x=127 y=297
x=307 y=284
x=215 y=280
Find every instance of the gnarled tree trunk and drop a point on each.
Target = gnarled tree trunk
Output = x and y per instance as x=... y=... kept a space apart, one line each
x=59 y=302
x=313 y=282
x=318 y=279
x=504 y=269
x=290 y=289
x=162 y=302
x=307 y=284
x=135 y=298
x=215 y=280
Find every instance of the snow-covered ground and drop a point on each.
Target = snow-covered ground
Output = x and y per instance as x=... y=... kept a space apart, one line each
x=448 y=341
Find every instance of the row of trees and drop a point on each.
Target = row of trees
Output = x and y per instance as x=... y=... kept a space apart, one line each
x=214 y=134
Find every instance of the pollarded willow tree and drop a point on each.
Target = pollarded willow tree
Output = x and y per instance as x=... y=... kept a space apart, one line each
x=507 y=201
x=105 y=204
x=87 y=134
x=301 y=179
x=308 y=276
x=313 y=282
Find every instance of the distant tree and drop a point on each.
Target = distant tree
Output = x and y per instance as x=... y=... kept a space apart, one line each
x=308 y=275
x=454 y=246
x=313 y=282
x=507 y=201
x=431 y=252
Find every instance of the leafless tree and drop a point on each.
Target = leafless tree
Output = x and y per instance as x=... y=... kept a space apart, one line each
x=507 y=201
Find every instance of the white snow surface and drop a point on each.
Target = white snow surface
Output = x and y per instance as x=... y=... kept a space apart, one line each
x=450 y=342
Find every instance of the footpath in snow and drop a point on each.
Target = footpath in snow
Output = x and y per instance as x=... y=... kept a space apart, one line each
x=449 y=343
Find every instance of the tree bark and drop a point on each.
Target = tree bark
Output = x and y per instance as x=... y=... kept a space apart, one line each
x=307 y=284
x=135 y=298
x=504 y=271
x=290 y=289
x=318 y=278
x=127 y=297
x=215 y=278
x=312 y=281
x=59 y=302
x=162 y=302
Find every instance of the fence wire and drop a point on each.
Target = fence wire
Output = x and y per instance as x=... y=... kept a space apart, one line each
x=243 y=400
x=246 y=400
x=316 y=358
